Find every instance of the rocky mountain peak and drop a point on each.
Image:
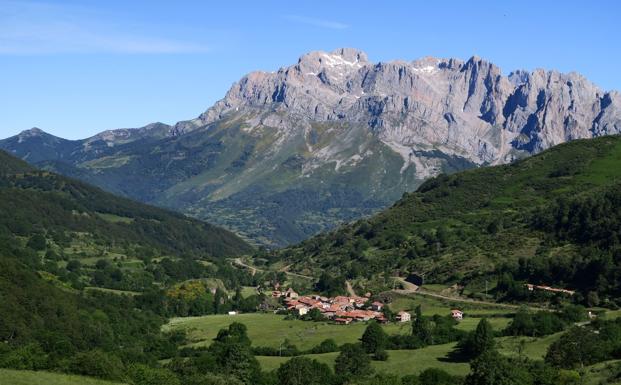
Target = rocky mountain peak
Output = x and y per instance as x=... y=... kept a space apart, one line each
x=341 y=58
x=34 y=131
x=444 y=103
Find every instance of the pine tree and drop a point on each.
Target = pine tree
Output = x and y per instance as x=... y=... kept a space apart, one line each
x=479 y=341
x=422 y=328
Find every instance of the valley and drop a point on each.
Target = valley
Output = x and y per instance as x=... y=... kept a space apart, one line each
x=321 y=214
x=194 y=284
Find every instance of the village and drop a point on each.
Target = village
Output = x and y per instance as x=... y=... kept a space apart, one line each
x=343 y=309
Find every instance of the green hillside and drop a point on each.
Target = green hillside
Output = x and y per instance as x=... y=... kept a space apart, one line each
x=49 y=201
x=12 y=165
x=87 y=237
x=64 y=247
x=554 y=218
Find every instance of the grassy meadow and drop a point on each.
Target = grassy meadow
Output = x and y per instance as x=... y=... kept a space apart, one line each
x=401 y=362
x=27 y=377
x=272 y=330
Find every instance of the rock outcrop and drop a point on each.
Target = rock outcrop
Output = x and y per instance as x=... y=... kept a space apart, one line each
x=467 y=108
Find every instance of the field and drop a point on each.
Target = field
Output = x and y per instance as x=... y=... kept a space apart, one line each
x=534 y=348
x=26 y=377
x=470 y=323
x=431 y=306
x=266 y=329
x=402 y=362
x=405 y=362
x=247 y=291
x=603 y=373
x=271 y=329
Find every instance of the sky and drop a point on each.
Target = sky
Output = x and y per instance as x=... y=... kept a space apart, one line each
x=75 y=68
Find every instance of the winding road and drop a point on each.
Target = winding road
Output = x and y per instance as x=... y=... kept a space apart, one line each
x=411 y=288
x=239 y=262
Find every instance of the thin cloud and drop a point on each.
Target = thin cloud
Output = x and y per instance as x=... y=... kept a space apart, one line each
x=321 y=23
x=29 y=28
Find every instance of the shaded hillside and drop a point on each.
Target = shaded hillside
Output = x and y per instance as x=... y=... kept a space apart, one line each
x=42 y=202
x=552 y=218
x=12 y=165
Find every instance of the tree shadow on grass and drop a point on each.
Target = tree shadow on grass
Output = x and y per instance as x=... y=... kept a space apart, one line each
x=455 y=356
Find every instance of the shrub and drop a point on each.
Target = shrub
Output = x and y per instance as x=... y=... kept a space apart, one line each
x=145 y=375
x=27 y=357
x=97 y=363
x=380 y=355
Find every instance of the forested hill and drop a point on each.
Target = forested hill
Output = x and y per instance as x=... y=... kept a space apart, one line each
x=57 y=208
x=552 y=218
x=69 y=250
x=12 y=165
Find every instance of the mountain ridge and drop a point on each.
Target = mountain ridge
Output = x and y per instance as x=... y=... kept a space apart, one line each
x=333 y=138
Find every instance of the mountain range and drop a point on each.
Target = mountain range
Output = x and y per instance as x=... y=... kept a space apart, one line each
x=330 y=139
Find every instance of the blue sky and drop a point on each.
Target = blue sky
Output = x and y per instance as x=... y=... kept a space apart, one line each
x=74 y=68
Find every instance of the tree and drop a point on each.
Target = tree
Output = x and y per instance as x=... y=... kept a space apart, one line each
x=238 y=298
x=237 y=360
x=352 y=362
x=237 y=332
x=304 y=371
x=592 y=299
x=326 y=346
x=330 y=285
x=97 y=363
x=435 y=376
x=379 y=379
x=37 y=242
x=233 y=355
x=491 y=368
x=380 y=355
x=220 y=302
x=479 y=341
x=101 y=264
x=422 y=328
x=73 y=265
x=52 y=255
x=145 y=375
x=522 y=323
x=578 y=346
x=483 y=339
x=315 y=315
x=27 y=357
x=374 y=338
